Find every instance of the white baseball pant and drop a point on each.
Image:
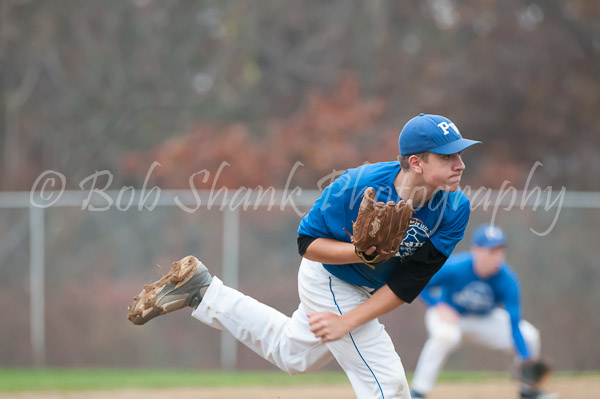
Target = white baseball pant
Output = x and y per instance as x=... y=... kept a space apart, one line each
x=491 y=331
x=367 y=354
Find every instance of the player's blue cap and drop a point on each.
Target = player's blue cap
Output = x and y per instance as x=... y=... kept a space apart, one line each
x=488 y=236
x=431 y=133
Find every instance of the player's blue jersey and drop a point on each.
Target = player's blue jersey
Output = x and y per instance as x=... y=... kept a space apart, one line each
x=457 y=285
x=442 y=220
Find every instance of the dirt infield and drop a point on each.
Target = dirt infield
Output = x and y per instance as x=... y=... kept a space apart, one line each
x=568 y=388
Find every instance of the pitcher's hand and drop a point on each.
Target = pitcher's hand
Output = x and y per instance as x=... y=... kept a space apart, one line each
x=328 y=326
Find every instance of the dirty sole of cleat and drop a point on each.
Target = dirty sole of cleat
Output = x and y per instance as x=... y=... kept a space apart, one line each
x=146 y=305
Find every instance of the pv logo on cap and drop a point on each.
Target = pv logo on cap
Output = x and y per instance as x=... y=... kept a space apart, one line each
x=445 y=126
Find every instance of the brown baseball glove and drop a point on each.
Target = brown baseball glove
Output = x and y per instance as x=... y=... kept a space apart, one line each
x=380 y=225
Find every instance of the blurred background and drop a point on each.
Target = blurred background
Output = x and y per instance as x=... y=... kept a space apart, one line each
x=117 y=86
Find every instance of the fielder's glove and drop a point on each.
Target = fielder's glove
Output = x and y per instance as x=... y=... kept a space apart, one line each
x=380 y=225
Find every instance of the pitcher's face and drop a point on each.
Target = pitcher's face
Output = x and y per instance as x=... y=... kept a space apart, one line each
x=443 y=172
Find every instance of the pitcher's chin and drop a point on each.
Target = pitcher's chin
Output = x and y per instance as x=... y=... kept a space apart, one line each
x=451 y=187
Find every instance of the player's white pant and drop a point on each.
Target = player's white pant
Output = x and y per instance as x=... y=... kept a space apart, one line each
x=491 y=331
x=367 y=354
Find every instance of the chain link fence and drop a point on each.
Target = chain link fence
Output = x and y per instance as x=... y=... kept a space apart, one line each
x=92 y=263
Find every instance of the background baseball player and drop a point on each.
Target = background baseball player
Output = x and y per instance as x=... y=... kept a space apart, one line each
x=344 y=287
x=476 y=297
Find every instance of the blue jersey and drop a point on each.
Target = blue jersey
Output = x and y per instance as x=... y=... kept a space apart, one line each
x=442 y=220
x=457 y=285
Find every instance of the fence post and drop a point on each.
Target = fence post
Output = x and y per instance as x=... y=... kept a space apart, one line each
x=231 y=247
x=36 y=285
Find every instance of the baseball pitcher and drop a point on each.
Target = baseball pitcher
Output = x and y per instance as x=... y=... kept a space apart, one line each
x=370 y=243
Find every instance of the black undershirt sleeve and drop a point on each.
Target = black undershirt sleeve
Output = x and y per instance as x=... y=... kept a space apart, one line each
x=412 y=275
x=303 y=242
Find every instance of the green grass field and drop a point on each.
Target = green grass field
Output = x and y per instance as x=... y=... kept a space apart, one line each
x=15 y=380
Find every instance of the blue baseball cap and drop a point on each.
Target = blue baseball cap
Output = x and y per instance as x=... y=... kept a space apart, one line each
x=488 y=236
x=431 y=133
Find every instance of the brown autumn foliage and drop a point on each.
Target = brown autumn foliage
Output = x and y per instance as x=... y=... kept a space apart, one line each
x=87 y=87
x=330 y=132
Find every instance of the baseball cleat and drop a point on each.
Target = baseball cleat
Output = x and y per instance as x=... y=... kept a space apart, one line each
x=179 y=288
